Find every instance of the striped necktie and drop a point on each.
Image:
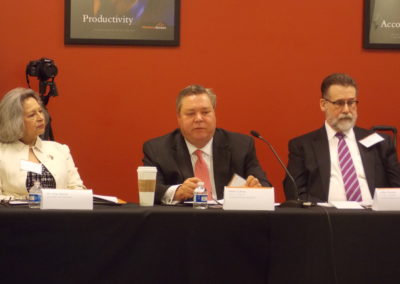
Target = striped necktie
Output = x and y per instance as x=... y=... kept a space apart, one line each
x=349 y=175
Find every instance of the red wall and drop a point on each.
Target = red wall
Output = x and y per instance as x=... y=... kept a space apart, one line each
x=265 y=60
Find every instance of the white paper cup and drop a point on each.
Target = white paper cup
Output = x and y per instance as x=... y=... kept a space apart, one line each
x=147 y=177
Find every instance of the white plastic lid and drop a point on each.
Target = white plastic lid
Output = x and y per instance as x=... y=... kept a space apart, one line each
x=200 y=183
x=147 y=169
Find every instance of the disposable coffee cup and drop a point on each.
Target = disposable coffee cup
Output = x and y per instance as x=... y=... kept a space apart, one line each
x=147 y=177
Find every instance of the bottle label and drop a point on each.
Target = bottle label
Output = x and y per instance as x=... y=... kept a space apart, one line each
x=200 y=198
x=33 y=197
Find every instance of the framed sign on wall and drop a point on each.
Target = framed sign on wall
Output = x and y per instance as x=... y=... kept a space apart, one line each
x=381 y=24
x=122 y=22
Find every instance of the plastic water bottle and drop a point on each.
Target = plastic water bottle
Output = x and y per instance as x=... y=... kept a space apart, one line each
x=35 y=195
x=200 y=196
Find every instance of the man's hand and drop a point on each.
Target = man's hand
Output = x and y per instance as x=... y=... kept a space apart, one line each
x=252 y=182
x=185 y=191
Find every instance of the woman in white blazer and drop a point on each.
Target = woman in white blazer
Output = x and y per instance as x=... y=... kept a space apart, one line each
x=24 y=157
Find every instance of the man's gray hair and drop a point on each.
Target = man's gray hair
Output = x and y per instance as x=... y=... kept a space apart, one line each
x=12 y=114
x=195 y=90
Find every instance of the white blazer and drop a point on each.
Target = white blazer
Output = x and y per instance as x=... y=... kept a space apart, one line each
x=55 y=156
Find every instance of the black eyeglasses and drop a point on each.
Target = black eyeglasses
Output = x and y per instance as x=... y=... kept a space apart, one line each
x=342 y=103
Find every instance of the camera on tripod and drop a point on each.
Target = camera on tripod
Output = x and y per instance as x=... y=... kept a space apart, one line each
x=44 y=69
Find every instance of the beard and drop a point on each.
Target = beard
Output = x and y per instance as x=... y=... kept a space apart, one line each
x=344 y=122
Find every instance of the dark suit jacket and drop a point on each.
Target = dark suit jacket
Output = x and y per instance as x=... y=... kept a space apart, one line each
x=309 y=163
x=232 y=153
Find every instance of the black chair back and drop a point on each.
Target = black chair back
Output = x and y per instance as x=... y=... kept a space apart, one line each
x=387 y=128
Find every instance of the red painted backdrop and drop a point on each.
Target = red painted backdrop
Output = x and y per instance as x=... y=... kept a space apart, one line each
x=265 y=60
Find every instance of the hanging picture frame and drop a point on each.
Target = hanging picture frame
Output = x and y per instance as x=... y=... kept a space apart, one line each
x=122 y=22
x=381 y=24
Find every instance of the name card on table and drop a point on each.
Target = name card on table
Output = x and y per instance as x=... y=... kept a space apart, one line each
x=249 y=198
x=78 y=199
x=386 y=199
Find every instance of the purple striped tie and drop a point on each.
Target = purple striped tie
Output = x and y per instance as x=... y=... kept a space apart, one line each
x=350 y=180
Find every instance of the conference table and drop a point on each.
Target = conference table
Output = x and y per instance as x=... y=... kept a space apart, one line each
x=179 y=244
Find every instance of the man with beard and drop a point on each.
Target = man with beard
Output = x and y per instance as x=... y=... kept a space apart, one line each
x=330 y=164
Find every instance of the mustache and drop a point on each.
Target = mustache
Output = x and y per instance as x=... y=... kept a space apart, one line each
x=345 y=116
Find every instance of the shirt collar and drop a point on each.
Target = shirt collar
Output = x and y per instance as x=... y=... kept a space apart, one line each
x=38 y=144
x=207 y=149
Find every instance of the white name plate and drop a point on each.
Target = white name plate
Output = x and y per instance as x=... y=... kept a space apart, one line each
x=249 y=198
x=78 y=199
x=386 y=199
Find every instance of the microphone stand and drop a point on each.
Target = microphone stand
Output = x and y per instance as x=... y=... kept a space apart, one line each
x=294 y=203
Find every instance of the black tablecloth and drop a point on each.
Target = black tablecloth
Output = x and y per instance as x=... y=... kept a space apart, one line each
x=162 y=244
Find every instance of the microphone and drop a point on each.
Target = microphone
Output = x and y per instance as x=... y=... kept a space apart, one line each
x=292 y=202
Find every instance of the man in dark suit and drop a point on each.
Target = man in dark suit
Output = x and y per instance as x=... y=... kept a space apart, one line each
x=175 y=154
x=316 y=159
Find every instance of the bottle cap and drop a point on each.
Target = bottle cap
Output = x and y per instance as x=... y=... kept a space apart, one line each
x=200 y=183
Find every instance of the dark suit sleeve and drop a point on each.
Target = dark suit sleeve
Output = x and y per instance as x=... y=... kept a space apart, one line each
x=390 y=161
x=296 y=166
x=150 y=159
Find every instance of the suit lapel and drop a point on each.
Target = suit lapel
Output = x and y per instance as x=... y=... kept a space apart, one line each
x=367 y=158
x=182 y=157
x=321 y=152
x=221 y=162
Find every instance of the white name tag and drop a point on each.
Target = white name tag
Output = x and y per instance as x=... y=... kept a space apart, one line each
x=386 y=199
x=79 y=199
x=31 y=167
x=371 y=140
x=249 y=198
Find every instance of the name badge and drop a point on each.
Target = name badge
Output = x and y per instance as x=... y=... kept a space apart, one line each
x=31 y=167
x=371 y=140
x=249 y=198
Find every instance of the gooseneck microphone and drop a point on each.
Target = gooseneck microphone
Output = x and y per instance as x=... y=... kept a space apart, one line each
x=292 y=202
